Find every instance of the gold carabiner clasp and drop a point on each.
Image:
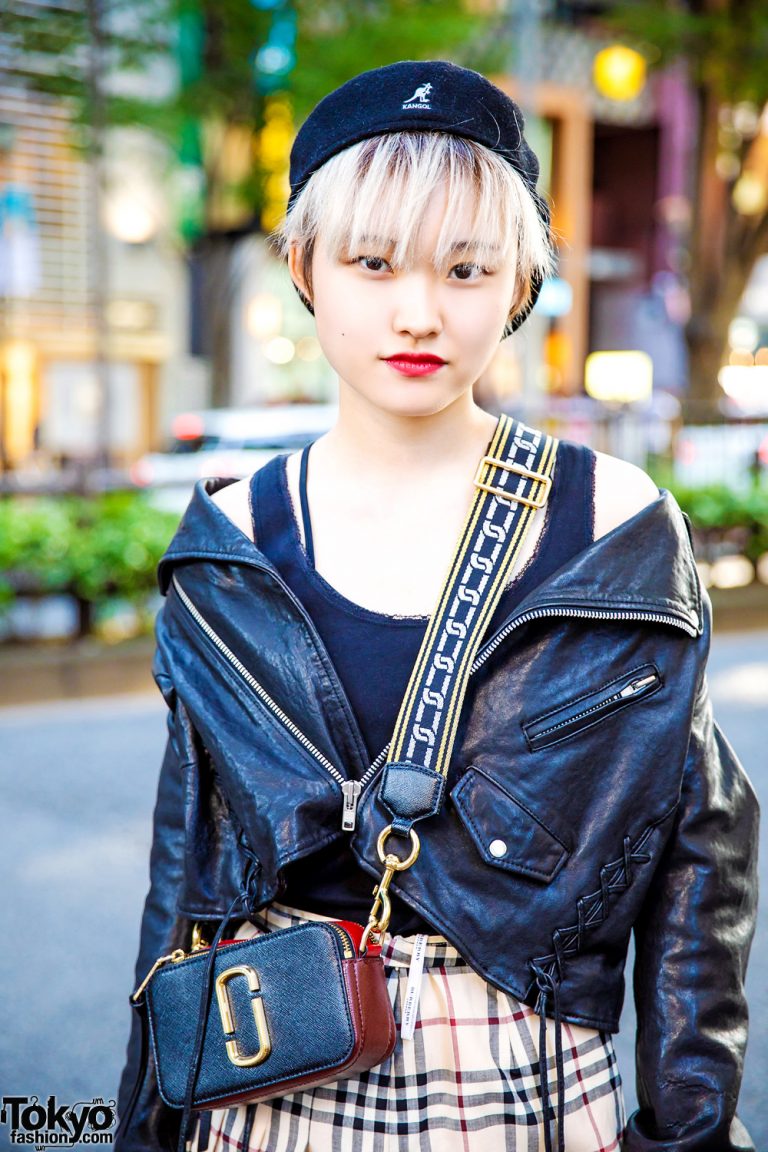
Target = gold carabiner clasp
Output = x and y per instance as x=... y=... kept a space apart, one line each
x=378 y=921
x=198 y=940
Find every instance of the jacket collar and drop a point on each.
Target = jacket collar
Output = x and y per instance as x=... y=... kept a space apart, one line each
x=644 y=565
x=207 y=533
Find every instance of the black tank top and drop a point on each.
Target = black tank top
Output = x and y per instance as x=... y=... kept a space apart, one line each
x=330 y=882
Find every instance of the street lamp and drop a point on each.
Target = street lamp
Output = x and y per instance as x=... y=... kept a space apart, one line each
x=750 y=195
x=128 y=220
x=264 y=316
x=619 y=72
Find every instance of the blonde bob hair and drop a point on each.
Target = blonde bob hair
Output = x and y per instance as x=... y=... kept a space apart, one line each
x=383 y=186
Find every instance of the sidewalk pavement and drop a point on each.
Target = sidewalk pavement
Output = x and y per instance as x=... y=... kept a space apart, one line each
x=71 y=671
x=34 y=673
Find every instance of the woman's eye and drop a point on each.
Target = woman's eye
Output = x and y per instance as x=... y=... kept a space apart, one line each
x=373 y=263
x=467 y=271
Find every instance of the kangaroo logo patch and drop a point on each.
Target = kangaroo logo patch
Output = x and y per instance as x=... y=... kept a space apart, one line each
x=420 y=98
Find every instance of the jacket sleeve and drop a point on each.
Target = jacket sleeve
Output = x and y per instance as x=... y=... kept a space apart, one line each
x=692 y=946
x=153 y=1126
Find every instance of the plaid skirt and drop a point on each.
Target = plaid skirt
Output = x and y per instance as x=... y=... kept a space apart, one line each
x=467 y=1080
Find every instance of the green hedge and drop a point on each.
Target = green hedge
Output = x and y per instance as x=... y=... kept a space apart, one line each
x=716 y=510
x=95 y=549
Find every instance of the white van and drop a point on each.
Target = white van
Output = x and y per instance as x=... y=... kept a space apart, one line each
x=232 y=442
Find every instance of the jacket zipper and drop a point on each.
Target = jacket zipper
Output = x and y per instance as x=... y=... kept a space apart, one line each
x=578 y=613
x=353 y=789
x=260 y=691
x=568 y=724
x=633 y=688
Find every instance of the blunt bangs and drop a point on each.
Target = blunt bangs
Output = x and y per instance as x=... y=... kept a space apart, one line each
x=381 y=189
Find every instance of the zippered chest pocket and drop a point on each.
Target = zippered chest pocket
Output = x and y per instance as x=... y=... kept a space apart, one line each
x=593 y=707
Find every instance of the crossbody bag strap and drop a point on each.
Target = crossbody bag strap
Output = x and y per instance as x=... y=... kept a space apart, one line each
x=511 y=484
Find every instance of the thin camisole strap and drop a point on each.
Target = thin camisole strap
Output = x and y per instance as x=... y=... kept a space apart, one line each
x=309 y=546
x=573 y=532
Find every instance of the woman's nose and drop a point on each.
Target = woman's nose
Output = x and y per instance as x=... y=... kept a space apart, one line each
x=417 y=310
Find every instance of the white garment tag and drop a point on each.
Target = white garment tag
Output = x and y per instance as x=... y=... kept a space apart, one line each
x=411 y=1005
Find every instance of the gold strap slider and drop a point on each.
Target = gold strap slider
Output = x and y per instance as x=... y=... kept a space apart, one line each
x=537 y=501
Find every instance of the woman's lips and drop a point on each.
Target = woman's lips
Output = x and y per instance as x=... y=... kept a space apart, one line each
x=408 y=365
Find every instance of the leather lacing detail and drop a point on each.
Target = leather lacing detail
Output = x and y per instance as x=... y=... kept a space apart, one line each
x=615 y=877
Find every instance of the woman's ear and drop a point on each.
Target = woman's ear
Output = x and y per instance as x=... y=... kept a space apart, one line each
x=519 y=300
x=296 y=261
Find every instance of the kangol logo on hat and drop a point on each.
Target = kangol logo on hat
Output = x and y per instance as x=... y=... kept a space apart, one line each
x=420 y=98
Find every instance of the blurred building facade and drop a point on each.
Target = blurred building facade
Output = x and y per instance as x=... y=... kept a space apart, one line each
x=73 y=294
x=618 y=172
x=91 y=299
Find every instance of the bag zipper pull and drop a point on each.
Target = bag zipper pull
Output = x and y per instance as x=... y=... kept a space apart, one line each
x=351 y=790
x=177 y=955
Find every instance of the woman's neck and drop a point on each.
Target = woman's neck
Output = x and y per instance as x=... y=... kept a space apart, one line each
x=367 y=441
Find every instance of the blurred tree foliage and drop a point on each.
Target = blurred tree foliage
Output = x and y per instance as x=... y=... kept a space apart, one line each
x=94 y=549
x=188 y=72
x=167 y=65
x=721 y=514
x=107 y=548
x=723 y=44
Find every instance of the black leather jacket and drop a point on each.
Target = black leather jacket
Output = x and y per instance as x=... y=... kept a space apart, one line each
x=587 y=745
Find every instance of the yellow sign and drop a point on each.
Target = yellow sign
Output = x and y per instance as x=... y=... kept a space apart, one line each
x=619 y=377
x=274 y=147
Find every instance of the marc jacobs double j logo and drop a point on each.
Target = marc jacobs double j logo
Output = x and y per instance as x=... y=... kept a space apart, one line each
x=227 y=1016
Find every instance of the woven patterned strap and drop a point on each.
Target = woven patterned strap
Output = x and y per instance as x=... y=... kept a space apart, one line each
x=511 y=484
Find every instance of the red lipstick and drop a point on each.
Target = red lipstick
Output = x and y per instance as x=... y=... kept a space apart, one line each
x=414 y=364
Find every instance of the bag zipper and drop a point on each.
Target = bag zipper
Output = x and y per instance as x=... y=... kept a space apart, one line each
x=175 y=957
x=346 y=940
x=352 y=790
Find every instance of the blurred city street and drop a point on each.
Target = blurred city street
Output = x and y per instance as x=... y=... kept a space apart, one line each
x=154 y=333
x=78 y=784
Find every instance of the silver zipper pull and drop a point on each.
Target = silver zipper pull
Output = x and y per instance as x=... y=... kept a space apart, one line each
x=636 y=685
x=351 y=790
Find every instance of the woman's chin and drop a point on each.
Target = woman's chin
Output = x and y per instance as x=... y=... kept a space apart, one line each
x=417 y=399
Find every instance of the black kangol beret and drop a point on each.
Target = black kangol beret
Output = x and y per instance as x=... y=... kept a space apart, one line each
x=418 y=96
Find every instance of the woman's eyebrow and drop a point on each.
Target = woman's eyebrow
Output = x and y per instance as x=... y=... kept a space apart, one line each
x=378 y=241
x=466 y=245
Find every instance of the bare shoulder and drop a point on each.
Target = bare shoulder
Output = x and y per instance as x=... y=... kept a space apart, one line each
x=621 y=491
x=233 y=499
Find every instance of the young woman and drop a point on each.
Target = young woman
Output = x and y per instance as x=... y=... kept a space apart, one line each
x=590 y=793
